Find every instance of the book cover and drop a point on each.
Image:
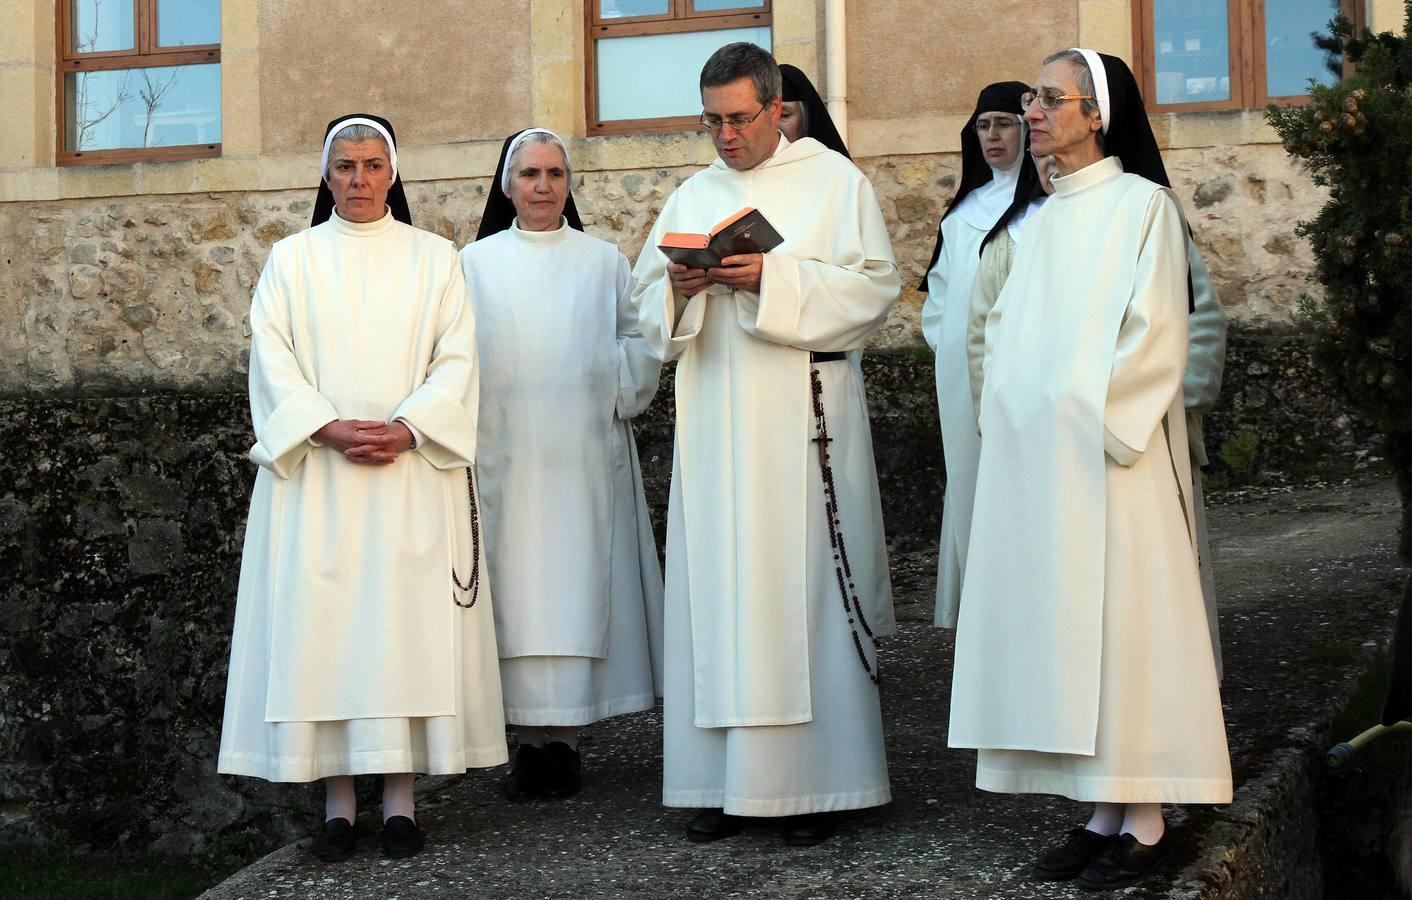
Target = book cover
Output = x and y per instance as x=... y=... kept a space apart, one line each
x=747 y=231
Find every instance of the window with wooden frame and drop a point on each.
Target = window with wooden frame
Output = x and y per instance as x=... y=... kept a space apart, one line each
x=138 y=80
x=1235 y=54
x=645 y=58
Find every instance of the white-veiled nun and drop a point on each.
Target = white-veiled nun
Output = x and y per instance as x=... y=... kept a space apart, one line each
x=563 y=371
x=364 y=640
x=1084 y=663
x=994 y=169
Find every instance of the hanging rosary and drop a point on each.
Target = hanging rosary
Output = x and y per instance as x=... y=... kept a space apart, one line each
x=846 y=589
x=472 y=585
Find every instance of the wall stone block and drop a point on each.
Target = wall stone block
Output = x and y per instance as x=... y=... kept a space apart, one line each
x=147 y=292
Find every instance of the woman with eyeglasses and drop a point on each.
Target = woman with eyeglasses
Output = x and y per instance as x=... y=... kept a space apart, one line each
x=1084 y=664
x=994 y=171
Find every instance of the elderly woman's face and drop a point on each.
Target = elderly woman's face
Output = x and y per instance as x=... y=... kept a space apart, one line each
x=792 y=119
x=359 y=176
x=1066 y=127
x=539 y=186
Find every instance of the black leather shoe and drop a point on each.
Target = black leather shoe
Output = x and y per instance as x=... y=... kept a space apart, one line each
x=1069 y=858
x=811 y=829
x=335 y=840
x=564 y=773
x=526 y=778
x=401 y=838
x=712 y=825
x=1123 y=862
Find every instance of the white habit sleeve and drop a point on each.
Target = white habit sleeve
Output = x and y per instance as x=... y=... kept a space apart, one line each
x=1201 y=384
x=828 y=306
x=990 y=278
x=639 y=369
x=667 y=325
x=285 y=408
x=1152 y=341
x=443 y=408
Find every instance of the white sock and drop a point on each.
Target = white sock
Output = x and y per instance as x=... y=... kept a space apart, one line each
x=397 y=796
x=1107 y=818
x=569 y=735
x=531 y=735
x=339 y=800
x=1144 y=822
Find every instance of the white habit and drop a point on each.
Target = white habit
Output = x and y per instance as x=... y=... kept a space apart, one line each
x=349 y=654
x=768 y=709
x=1201 y=382
x=944 y=319
x=1084 y=664
x=578 y=589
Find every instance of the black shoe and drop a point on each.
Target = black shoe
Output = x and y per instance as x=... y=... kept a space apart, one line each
x=712 y=825
x=526 y=778
x=1123 y=862
x=335 y=840
x=401 y=838
x=1069 y=858
x=811 y=829
x=564 y=773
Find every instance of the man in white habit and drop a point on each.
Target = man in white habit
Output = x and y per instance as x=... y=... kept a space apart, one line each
x=777 y=574
x=995 y=169
x=578 y=589
x=364 y=641
x=1084 y=664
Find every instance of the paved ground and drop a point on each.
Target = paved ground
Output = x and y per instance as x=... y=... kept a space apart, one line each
x=1309 y=585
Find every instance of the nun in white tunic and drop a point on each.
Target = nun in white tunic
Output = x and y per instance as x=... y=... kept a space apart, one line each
x=1084 y=663
x=354 y=650
x=563 y=371
x=995 y=169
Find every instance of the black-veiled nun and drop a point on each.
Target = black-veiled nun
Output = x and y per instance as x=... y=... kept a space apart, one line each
x=995 y=169
x=803 y=112
x=363 y=642
x=1084 y=664
x=578 y=589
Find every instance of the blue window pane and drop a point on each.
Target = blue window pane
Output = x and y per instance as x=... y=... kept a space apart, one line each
x=1191 y=40
x=674 y=61
x=169 y=106
x=716 y=5
x=622 y=9
x=1294 y=30
x=100 y=26
x=188 y=23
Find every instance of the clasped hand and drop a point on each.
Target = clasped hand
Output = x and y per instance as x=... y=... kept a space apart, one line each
x=740 y=273
x=366 y=442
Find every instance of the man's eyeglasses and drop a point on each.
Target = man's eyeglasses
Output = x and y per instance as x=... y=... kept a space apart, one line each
x=999 y=126
x=1048 y=99
x=714 y=123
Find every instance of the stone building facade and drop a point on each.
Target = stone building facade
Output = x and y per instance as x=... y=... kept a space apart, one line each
x=139 y=275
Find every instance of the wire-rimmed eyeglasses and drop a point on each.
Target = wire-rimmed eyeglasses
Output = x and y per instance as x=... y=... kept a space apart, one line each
x=714 y=123
x=1048 y=99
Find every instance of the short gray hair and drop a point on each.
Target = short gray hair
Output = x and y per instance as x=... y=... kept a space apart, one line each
x=743 y=59
x=539 y=137
x=1085 y=85
x=356 y=133
x=1085 y=77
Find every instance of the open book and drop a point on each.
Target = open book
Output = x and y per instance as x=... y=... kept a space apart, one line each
x=745 y=232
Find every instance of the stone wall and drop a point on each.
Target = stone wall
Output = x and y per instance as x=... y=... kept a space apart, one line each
x=121 y=522
x=152 y=292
